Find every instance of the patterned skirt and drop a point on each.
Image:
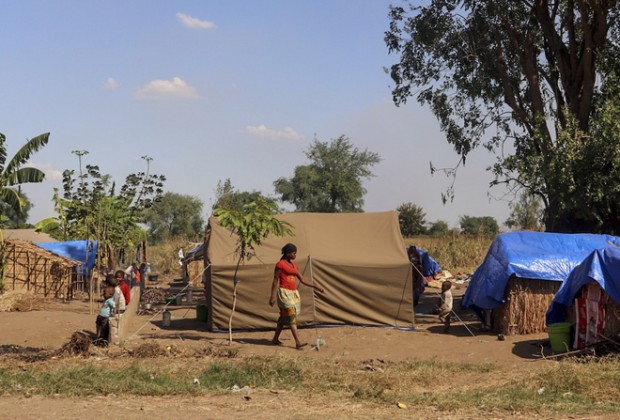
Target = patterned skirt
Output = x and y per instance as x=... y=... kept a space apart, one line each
x=290 y=306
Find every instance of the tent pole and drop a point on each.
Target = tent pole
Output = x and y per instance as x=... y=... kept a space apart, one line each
x=316 y=333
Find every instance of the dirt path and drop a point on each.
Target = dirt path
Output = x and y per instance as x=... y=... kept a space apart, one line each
x=53 y=327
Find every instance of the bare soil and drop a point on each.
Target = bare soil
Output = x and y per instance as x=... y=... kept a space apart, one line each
x=52 y=327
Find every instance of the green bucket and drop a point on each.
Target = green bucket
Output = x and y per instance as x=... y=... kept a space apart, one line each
x=201 y=313
x=559 y=336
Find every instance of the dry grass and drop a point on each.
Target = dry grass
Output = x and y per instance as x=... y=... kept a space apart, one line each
x=21 y=301
x=164 y=258
x=562 y=389
x=526 y=306
x=455 y=253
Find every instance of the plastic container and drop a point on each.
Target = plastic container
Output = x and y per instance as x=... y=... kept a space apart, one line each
x=201 y=313
x=559 y=336
x=166 y=317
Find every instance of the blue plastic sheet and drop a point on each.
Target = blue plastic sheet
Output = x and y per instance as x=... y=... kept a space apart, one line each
x=429 y=265
x=601 y=266
x=529 y=255
x=84 y=251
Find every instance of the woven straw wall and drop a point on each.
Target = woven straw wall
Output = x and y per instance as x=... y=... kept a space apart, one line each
x=526 y=306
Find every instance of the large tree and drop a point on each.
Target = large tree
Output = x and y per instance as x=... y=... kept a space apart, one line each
x=412 y=219
x=332 y=181
x=227 y=197
x=485 y=225
x=525 y=79
x=175 y=215
x=526 y=213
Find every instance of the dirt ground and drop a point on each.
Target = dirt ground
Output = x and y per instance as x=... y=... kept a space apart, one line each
x=51 y=328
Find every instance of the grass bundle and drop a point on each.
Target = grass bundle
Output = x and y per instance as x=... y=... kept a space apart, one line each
x=527 y=301
x=612 y=319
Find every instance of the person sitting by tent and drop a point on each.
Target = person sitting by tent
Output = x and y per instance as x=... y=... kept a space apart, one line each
x=285 y=278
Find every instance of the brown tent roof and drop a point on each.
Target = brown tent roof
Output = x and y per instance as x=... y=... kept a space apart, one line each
x=359 y=258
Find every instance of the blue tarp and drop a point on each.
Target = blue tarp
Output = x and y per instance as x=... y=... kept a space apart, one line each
x=84 y=251
x=529 y=255
x=601 y=266
x=429 y=265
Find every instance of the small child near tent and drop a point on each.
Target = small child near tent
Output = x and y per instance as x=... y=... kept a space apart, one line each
x=445 y=305
x=103 y=319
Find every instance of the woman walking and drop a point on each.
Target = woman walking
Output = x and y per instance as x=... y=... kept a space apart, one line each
x=285 y=287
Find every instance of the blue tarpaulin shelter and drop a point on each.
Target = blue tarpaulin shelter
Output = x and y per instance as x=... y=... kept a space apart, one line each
x=429 y=265
x=84 y=251
x=601 y=266
x=529 y=255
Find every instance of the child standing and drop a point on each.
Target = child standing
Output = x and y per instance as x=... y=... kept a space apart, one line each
x=445 y=305
x=119 y=305
x=103 y=319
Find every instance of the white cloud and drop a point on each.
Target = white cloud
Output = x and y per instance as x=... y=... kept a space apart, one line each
x=162 y=89
x=195 y=23
x=111 y=83
x=51 y=173
x=271 y=134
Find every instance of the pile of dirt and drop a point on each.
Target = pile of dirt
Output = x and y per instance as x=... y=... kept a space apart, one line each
x=147 y=350
x=79 y=344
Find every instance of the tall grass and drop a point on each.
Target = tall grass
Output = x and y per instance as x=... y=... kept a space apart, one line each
x=164 y=257
x=454 y=252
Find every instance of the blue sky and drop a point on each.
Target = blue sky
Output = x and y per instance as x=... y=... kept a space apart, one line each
x=221 y=89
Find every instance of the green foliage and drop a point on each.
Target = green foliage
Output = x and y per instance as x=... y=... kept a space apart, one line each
x=485 y=225
x=12 y=173
x=175 y=215
x=252 y=223
x=332 y=182
x=438 y=228
x=227 y=197
x=411 y=218
x=91 y=208
x=517 y=78
x=16 y=218
x=526 y=213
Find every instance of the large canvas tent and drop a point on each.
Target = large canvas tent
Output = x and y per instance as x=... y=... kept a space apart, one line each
x=521 y=273
x=359 y=258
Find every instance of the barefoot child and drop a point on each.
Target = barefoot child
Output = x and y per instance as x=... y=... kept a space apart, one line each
x=445 y=304
x=103 y=319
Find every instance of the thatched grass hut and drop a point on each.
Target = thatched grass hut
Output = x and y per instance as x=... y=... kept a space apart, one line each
x=522 y=272
x=28 y=267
